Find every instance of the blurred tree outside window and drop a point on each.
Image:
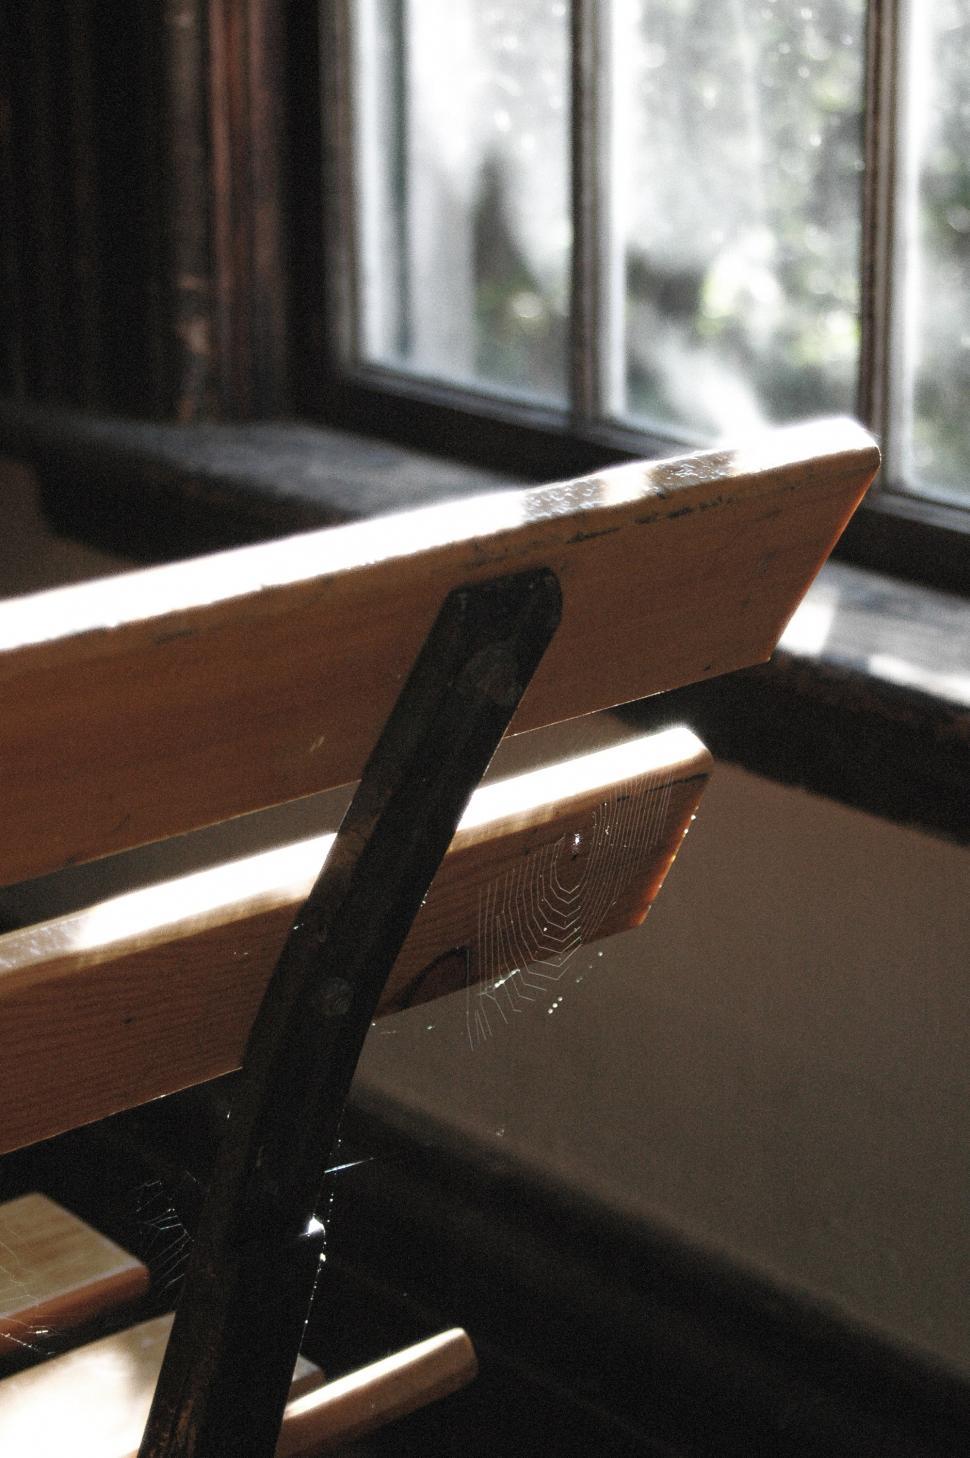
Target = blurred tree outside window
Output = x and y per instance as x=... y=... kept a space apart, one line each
x=728 y=256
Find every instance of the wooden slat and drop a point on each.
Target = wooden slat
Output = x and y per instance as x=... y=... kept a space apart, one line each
x=347 y=1408
x=93 y=1402
x=55 y=1272
x=156 y=990
x=159 y=701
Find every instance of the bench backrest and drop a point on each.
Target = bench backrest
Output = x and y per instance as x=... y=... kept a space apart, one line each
x=159 y=701
x=163 y=700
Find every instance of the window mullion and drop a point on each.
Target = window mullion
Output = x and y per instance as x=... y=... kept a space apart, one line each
x=589 y=93
x=880 y=395
x=341 y=231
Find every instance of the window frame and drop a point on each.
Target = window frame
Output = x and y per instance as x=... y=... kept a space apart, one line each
x=896 y=530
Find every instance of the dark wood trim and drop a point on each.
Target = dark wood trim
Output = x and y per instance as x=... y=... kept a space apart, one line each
x=912 y=540
x=142 y=155
x=910 y=537
x=245 y=80
x=164 y=254
x=888 y=751
x=11 y=286
x=307 y=185
x=40 y=210
x=182 y=325
x=516 y=437
x=86 y=280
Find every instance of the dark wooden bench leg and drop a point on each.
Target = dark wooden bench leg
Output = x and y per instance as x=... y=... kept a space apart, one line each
x=256 y=1259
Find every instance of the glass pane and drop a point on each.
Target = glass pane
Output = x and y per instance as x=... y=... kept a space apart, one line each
x=462 y=133
x=734 y=234
x=936 y=227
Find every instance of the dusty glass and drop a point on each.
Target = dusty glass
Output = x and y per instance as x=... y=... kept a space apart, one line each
x=735 y=203
x=463 y=208
x=935 y=233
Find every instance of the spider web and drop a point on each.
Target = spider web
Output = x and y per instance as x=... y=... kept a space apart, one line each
x=533 y=919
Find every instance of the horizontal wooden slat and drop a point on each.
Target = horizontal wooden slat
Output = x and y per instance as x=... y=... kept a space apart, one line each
x=156 y=990
x=349 y=1407
x=159 y=701
x=93 y=1402
x=56 y=1271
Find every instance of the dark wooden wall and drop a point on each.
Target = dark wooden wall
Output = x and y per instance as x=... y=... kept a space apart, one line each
x=143 y=227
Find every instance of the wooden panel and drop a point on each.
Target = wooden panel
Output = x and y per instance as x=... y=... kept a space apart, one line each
x=93 y=1402
x=55 y=1272
x=156 y=990
x=159 y=701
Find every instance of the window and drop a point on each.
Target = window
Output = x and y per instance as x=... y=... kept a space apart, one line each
x=933 y=375
x=667 y=219
x=557 y=232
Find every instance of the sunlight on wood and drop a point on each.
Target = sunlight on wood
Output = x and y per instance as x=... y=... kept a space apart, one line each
x=155 y=990
x=286 y=873
x=93 y=1402
x=246 y=679
x=56 y=1271
x=365 y=1400
x=180 y=587
x=669 y=752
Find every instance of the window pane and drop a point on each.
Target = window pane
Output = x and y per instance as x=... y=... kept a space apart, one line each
x=736 y=146
x=936 y=227
x=462 y=132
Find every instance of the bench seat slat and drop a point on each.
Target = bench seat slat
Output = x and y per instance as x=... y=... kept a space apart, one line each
x=93 y=1402
x=56 y=1272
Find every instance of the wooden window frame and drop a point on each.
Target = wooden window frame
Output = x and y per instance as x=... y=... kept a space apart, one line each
x=897 y=531
x=179 y=245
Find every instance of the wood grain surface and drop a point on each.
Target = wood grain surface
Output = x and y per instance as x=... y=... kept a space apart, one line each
x=156 y=990
x=56 y=1271
x=159 y=701
x=93 y=1402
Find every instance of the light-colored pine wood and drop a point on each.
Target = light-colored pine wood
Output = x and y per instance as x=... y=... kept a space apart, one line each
x=55 y=1272
x=363 y=1401
x=93 y=1402
x=159 y=701
x=156 y=990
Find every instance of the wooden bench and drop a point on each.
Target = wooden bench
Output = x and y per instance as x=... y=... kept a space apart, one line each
x=155 y=703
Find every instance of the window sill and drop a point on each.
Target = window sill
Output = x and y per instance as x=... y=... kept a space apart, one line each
x=867 y=699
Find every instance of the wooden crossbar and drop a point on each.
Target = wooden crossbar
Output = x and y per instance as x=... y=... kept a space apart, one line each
x=158 y=701
x=156 y=990
x=92 y=1402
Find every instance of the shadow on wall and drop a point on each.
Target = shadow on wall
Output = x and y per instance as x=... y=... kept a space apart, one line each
x=774 y=1066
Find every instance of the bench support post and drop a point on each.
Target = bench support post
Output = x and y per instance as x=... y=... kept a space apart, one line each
x=258 y=1249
